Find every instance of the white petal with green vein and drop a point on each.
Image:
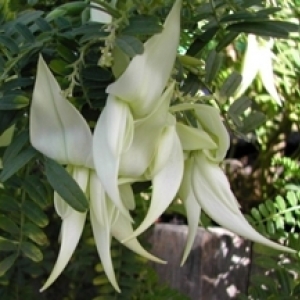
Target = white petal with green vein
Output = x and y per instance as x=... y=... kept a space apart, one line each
x=57 y=129
x=144 y=80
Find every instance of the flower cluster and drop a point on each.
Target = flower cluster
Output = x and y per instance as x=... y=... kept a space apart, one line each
x=135 y=139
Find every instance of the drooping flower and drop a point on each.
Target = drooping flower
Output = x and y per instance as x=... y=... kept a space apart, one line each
x=129 y=138
x=262 y=66
x=59 y=131
x=204 y=184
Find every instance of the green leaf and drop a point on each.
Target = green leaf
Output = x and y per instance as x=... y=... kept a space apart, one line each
x=212 y=66
x=280 y=203
x=35 y=214
x=16 y=146
x=7 y=263
x=96 y=74
x=255 y=213
x=34 y=187
x=8 y=203
x=7 y=119
x=270 y=227
x=253 y=121
x=9 y=43
x=263 y=210
x=270 y=206
x=130 y=45
x=31 y=251
x=8 y=225
x=66 y=53
x=226 y=40
x=7 y=245
x=14 y=101
x=25 y=32
x=20 y=160
x=35 y=234
x=60 y=67
x=267 y=28
x=230 y=85
x=292 y=198
x=65 y=185
x=142 y=24
x=239 y=106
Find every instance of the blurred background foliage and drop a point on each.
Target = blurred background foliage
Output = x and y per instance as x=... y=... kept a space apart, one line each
x=261 y=115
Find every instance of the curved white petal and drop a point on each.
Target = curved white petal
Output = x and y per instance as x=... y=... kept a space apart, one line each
x=121 y=229
x=127 y=196
x=210 y=121
x=194 y=138
x=266 y=72
x=144 y=80
x=103 y=241
x=97 y=200
x=71 y=230
x=102 y=213
x=147 y=131
x=214 y=204
x=193 y=209
x=57 y=129
x=251 y=64
x=113 y=135
x=167 y=180
x=212 y=179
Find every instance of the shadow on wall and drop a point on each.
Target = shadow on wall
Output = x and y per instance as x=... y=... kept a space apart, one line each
x=217 y=268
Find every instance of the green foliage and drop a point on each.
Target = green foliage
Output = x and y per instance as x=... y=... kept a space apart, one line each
x=78 y=53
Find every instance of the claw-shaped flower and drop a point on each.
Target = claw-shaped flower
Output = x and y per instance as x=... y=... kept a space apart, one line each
x=59 y=131
x=130 y=136
x=204 y=184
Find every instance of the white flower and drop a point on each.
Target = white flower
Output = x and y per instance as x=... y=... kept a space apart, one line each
x=59 y=131
x=130 y=136
x=204 y=184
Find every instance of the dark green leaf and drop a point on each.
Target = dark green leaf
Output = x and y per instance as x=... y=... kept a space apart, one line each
x=31 y=251
x=29 y=16
x=96 y=74
x=16 y=83
x=7 y=263
x=9 y=43
x=253 y=121
x=19 y=162
x=12 y=102
x=142 y=24
x=130 y=45
x=16 y=146
x=239 y=106
x=242 y=16
x=35 y=214
x=212 y=66
x=266 y=28
x=43 y=25
x=7 y=119
x=34 y=187
x=25 y=32
x=65 y=185
x=7 y=245
x=60 y=67
x=202 y=40
x=8 y=203
x=35 y=234
x=226 y=40
x=230 y=85
x=8 y=225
